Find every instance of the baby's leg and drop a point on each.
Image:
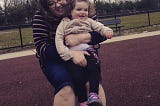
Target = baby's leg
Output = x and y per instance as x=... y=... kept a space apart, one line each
x=94 y=72
x=77 y=74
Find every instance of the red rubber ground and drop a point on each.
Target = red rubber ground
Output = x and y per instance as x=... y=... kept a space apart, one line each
x=130 y=71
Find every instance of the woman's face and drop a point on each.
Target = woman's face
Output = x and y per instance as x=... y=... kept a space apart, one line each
x=80 y=11
x=57 y=7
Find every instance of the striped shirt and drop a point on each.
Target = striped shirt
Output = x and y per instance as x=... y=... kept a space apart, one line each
x=44 y=34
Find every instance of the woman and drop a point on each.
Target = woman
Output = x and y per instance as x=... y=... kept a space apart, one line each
x=46 y=20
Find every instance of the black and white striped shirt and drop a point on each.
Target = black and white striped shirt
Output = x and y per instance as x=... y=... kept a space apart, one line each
x=44 y=34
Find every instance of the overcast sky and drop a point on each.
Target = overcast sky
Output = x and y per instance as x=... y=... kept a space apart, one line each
x=1 y=2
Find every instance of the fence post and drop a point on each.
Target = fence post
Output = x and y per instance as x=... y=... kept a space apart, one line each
x=20 y=33
x=115 y=17
x=149 y=21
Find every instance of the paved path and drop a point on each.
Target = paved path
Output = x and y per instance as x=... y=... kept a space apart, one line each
x=130 y=70
x=114 y=39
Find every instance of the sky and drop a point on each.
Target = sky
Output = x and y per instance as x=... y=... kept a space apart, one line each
x=1 y=2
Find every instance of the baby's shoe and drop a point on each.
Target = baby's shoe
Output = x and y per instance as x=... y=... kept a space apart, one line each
x=94 y=100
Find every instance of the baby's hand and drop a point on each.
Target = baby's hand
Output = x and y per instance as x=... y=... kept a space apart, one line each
x=109 y=34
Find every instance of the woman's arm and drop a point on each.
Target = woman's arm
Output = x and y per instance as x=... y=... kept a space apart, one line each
x=96 y=38
x=44 y=46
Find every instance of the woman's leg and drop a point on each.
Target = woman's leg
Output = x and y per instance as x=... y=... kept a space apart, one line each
x=59 y=77
x=102 y=95
x=65 y=97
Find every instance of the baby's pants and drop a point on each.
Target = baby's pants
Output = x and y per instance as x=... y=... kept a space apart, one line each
x=81 y=75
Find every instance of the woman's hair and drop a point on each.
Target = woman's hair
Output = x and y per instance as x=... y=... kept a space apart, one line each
x=43 y=6
x=71 y=6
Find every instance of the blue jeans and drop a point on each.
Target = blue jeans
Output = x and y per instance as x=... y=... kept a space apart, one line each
x=57 y=74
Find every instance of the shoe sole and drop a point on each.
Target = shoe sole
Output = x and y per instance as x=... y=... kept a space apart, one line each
x=95 y=104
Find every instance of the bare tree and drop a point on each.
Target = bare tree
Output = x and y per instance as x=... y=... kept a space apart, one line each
x=6 y=4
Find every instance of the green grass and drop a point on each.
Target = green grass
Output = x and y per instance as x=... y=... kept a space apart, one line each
x=12 y=38
x=155 y=17
x=140 y=20
x=27 y=36
x=134 y=20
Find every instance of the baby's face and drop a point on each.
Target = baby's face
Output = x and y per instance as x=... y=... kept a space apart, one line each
x=80 y=11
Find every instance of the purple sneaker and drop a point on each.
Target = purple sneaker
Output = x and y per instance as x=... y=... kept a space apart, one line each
x=94 y=100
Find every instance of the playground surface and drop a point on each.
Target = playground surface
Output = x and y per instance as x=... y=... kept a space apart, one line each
x=130 y=73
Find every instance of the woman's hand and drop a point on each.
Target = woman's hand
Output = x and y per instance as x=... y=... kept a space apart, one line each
x=79 y=58
x=75 y=39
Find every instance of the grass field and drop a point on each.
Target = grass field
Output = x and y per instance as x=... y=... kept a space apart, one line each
x=140 y=20
x=10 y=38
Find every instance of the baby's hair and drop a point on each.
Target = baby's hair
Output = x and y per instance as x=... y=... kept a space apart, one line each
x=71 y=6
